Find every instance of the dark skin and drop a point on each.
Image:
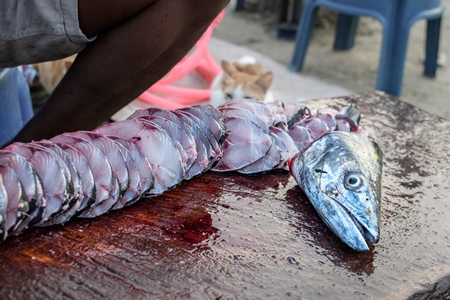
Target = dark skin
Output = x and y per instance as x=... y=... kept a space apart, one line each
x=137 y=43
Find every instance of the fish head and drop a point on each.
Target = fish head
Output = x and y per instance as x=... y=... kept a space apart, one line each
x=341 y=175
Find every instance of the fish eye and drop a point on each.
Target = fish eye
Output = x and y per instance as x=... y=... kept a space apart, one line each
x=353 y=181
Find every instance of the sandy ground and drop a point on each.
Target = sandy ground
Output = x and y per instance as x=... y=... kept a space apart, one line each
x=354 y=70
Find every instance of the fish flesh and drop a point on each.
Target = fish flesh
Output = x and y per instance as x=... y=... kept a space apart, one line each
x=341 y=175
x=86 y=174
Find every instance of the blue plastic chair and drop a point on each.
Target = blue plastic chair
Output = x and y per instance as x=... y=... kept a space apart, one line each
x=16 y=108
x=396 y=17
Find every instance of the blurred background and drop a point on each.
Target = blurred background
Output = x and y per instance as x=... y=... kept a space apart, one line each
x=256 y=25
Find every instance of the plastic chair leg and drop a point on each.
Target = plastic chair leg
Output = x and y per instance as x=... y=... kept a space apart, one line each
x=392 y=59
x=432 y=47
x=239 y=5
x=346 y=28
x=303 y=36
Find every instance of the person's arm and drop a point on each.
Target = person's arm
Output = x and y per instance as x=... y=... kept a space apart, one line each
x=138 y=43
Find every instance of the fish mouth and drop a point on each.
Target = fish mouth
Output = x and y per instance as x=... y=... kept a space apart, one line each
x=354 y=226
x=368 y=234
x=344 y=224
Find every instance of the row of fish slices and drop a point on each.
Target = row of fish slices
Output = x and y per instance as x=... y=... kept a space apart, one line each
x=86 y=174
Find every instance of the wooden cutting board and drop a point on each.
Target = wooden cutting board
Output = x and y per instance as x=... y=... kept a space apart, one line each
x=231 y=236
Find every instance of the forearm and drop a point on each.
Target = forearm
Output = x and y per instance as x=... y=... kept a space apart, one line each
x=123 y=62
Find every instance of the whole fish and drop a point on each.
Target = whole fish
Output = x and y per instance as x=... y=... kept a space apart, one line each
x=86 y=174
x=341 y=175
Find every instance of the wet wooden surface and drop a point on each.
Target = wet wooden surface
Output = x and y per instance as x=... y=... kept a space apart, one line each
x=230 y=236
